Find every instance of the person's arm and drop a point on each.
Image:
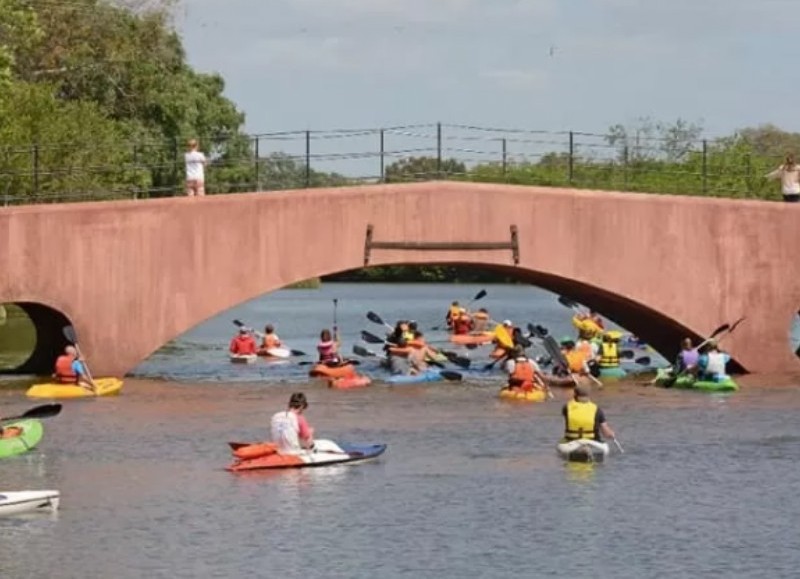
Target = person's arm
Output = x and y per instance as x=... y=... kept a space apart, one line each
x=605 y=429
x=776 y=174
x=233 y=348
x=304 y=432
x=83 y=376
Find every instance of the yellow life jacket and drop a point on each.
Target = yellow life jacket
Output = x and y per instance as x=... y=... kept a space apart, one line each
x=454 y=311
x=587 y=328
x=502 y=337
x=408 y=336
x=609 y=355
x=580 y=420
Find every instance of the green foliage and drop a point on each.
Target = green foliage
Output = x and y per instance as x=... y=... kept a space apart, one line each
x=421 y=274
x=279 y=171
x=423 y=169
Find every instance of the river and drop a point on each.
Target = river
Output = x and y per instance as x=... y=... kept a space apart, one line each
x=470 y=485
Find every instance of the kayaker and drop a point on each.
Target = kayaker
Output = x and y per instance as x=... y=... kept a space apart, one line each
x=587 y=327
x=290 y=429
x=523 y=372
x=243 y=343
x=583 y=418
x=711 y=364
x=70 y=369
x=595 y=317
x=452 y=314
x=480 y=320
x=576 y=361
x=397 y=357
x=327 y=348
x=400 y=332
x=271 y=339
x=462 y=325
x=591 y=352
x=609 y=350
x=687 y=357
x=420 y=353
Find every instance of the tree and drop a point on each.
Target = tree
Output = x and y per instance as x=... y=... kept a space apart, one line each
x=647 y=139
x=423 y=169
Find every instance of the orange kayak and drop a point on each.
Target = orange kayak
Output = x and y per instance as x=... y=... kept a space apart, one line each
x=325 y=371
x=349 y=382
x=472 y=339
x=325 y=452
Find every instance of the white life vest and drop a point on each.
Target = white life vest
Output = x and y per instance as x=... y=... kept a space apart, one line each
x=285 y=429
x=716 y=363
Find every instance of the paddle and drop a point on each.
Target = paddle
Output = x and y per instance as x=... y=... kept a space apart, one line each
x=43 y=411
x=335 y=325
x=373 y=317
x=71 y=336
x=619 y=446
x=451 y=376
x=478 y=296
x=243 y=326
x=363 y=352
x=331 y=364
x=460 y=361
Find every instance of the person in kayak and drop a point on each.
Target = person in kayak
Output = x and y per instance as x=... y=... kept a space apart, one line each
x=712 y=363
x=609 y=349
x=71 y=369
x=480 y=321
x=576 y=361
x=420 y=353
x=687 y=357
x=583 y=419
x=328 y=349
x=452 y=314
x=462 y=325
x=271 y=339
x=397 y=357
x=586 y=326
x=524 y=374
x=243 y=343
x=290 y=430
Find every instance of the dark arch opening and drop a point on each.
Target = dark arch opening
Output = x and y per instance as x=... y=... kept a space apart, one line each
x=33 y=337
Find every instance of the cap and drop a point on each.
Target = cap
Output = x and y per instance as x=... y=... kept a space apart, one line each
x=567 y=340
x=581 y=392
x=507 y=323
x=243 y=330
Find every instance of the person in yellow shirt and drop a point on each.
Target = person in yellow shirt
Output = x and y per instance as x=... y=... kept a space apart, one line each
x=586 y=326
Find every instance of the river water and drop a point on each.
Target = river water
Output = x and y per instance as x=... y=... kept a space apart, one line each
x=469 y=487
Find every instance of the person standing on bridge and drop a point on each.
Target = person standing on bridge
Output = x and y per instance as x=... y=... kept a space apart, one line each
x=789 y=174
x=195 y=170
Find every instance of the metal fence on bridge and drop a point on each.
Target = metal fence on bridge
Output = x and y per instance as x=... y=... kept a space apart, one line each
x=64 y=172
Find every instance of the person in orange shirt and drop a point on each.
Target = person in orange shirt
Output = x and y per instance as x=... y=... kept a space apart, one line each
x=271 y=339
x=243 y=343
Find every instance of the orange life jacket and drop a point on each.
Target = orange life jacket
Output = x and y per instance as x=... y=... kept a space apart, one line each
x=417 y=343
x=401 y=352
x=576 y=361
x=585 y=348
x=271 y=341
x=64 y=372
x=523 y=371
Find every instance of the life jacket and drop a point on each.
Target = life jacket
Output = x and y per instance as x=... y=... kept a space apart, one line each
x=502 y=337
x=327 y=351
x=609 y=355
x=585 y=348
x=271 y=341
x=243 y=345
x=462 y=324
x=64 y=372
x=452 y=314
x=587 y=328
x=402 y=352
x=580 y=420
x=716 y=363
x=575 y=361
x=285 y=429
x=689 y=358
x=417 y=343
x=523 y=371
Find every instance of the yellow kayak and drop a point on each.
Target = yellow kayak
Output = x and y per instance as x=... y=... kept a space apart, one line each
x=105 y=387
x=529 y=396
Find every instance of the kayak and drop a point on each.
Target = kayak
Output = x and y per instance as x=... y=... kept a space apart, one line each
x=612 y=372
x=472 y=339
x=275 y=353
x=431 y=375
x=325 y=371
x=559 y=381
x=523 y=395
x=349 y=382
x=29 y=434
x=582 y=450
x=438 y=357
x=325 y=453
x=14 y=503
x=688 y=382
x=105 y=387
x=243 y=358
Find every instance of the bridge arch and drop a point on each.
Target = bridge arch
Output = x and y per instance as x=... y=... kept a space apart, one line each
x=133 y=275
x=41 y=340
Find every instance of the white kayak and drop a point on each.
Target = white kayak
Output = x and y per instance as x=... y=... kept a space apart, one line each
x=583 y=450
x=278 y=353
x=14 y=503
x=243 y=358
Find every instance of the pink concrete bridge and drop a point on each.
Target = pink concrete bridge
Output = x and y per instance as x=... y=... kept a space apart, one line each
x=132 y=275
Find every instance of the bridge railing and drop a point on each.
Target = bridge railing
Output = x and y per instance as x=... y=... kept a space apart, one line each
x=66 y=172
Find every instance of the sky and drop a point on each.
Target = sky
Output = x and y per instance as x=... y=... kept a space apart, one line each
x=554 y=65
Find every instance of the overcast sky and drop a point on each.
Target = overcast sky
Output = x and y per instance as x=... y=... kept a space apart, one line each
x=539 y=64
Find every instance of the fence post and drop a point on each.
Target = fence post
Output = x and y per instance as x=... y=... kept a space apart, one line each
x=505 y=158
x=705 y=165
x=383 y=159
x=135 y=160
x=748 y=176
x=438 y=150
x=35 y=163
x=175 y=168
x=625 y=155
x=308 y=159
x=571 y=157
x=257 y=165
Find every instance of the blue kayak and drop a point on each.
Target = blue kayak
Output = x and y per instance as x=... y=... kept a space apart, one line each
x=427 y=376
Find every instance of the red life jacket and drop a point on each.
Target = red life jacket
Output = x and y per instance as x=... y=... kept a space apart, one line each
x=64 y=372
x=243 y=345
x=523 y=371
x=462 y=324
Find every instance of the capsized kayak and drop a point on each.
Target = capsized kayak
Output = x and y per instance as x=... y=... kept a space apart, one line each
x=243 y=358
x=26 y=435
x=431 y=375
x=105 y=387
x=325 y=453
x=14 y=503
x=688 y=382
x=612 y=372
x=349 y=382
x=472 y=339
x=275 y=353
x=325 y=371
x=583 y=450
x=523 y=395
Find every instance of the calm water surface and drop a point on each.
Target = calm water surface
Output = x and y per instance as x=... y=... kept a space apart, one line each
x=470 y=485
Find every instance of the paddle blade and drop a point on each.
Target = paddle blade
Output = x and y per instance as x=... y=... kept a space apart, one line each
x=375 y=318
x=436 y=328
x=371 y=338
x=69 y=334
x=643 y=361
x=43 y=411
x=479 y=296
x=237 y=445
x=238 y=323
x=452 y=376
x=626 y=354
x=297 y=353
x=565 y=301
x=362 y=351
x=719 y=330
x=457 y=360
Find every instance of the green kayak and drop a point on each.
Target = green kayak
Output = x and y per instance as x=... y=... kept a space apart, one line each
x=30 y=436
x=664 y=378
